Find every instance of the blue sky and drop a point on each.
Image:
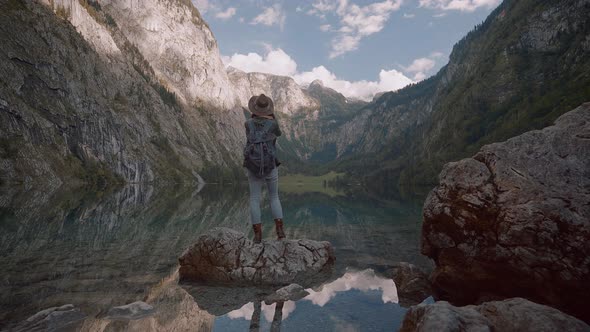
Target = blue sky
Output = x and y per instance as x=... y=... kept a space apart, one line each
x=358 y=47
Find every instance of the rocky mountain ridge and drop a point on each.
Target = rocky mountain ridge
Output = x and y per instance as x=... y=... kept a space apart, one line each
x=88 y=100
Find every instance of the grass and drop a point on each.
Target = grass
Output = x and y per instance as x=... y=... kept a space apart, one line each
x=299 y=184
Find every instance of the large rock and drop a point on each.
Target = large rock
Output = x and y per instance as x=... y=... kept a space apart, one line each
x=514 y=220
x=509 y=315
x=224 y=256
x=412 y=284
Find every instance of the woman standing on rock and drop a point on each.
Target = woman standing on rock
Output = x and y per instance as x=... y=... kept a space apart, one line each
x=260 y=160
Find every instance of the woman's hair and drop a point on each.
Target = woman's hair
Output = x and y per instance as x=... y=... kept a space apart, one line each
x=255 y=116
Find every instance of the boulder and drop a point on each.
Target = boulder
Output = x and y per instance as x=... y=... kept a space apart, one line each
x=131 y=311
x=292 y=292
x=412 y=284
x=515 y=314
x=64 y=318
x=226 y=257
x=514 y=220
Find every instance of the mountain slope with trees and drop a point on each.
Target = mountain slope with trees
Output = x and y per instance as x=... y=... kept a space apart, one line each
x=525 y=65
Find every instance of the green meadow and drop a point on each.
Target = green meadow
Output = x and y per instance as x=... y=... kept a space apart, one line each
x=298 y=184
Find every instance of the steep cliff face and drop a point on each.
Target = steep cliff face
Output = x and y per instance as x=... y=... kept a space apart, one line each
x=519 y=70
x=287 y=95
x=81 y=101
x=175 y=40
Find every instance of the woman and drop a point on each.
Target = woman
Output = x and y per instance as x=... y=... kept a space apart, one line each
x=261 y=131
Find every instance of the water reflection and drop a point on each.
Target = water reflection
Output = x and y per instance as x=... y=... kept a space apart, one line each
x=99 y=249
x=355 y=301
x=363 y=281
x=277 y=316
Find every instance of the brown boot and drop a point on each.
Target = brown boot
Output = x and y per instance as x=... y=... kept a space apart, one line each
x=279 y=227
x=257 y=233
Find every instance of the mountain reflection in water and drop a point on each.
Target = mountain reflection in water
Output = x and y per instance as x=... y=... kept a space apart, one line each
x=361 y=280
x=99 y=249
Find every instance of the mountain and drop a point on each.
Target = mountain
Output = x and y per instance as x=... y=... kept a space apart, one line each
x=118 y=90
x=309 y=117
x=525 y=65
x=113 y=91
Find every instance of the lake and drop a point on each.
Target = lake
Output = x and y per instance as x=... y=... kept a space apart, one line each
x=100 y=249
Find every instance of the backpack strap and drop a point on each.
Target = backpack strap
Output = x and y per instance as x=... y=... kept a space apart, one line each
x=267 y=125
x=251 y=130
x=262 y=135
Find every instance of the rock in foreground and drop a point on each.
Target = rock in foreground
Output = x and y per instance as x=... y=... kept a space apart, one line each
x=225 y=256
x=131 y=311
x=514 y=220
x=509 y=315
x=412 y=284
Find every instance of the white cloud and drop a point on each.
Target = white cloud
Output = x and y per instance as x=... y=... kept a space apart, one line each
x=356 y=21
x=406 y=15
x=324 y=5
x=389 y=80
x=204 y=6
x=363 y=281
x=439 y=15
x=228 y=13
x=436 y=55
x=275 y=62
x=325 y=27
x=461 y=5
x=278 y=62
x=271 y=16
x=422 y=66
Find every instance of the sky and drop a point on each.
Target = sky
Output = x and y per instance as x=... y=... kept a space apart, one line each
x=357 y=47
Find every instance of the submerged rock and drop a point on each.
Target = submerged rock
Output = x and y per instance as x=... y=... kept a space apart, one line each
x=509 y=315
x=52 y=319
x=412 y=284
x=225 y=256
x=514 y=220
x=131 y=311
x=292 y=292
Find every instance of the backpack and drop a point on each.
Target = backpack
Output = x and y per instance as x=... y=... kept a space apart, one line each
x=260 y=152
